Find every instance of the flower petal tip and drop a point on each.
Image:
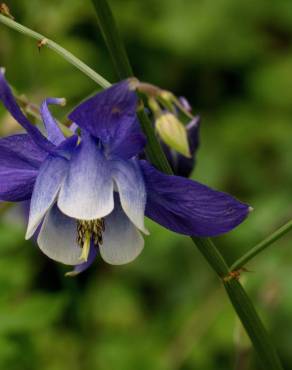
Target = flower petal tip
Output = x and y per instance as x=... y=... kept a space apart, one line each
x=71 y=274
x=62 y=102
x=145 y=231
x=30 y=232
x=2 y=70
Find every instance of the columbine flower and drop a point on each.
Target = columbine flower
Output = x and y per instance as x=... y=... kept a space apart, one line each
x=72 y=190
x=93 y=196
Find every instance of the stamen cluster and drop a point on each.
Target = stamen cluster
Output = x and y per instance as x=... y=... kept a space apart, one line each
x=92 y=229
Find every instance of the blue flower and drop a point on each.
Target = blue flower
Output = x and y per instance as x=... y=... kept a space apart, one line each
x=91 y=196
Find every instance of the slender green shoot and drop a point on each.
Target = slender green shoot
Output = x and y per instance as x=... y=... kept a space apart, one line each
x=261 y=246
x=113 y=39
x=44 y=41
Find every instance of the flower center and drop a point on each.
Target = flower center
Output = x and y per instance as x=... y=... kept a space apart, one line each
x=87 y=231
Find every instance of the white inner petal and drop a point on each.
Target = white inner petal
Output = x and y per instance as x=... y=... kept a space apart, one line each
x=122 y=241
x=57 y=238
x=87 y=192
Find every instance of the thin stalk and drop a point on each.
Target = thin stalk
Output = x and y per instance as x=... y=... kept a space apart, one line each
x=261 y=246
x=239 y=299
x=242 y=305
x=44 y=41
x=153 y=146
x=208 y=249
x=112 y=39
x=253 y=325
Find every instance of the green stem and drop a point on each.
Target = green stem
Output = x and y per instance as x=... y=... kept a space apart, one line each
x=242 y=305
x=236 y=293
x=112 y=39
x=58 y=49
x=153 y=146
x=212 y=255
x=261 y=246
x=253 y=325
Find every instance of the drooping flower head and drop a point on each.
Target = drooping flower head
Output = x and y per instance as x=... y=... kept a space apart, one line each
x=90 y=194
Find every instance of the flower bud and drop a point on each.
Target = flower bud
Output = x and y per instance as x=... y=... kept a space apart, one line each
x=173 y=133
x=167 y=95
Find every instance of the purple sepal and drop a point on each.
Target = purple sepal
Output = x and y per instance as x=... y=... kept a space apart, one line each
x=54 y=133
x=11 y=105
x=188 y=207
x=111 y=116
x=20 y=159
x=57 y=144
x=126 y=141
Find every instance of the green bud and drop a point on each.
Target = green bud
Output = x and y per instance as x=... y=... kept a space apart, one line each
x=173 y=133
x=154 y=106
x=167 y=95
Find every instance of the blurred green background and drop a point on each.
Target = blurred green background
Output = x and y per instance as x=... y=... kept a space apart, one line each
x=167 y=310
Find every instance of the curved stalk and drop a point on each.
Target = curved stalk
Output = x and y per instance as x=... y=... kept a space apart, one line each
x=43 y=41
x=261 y=246
x=113 y=40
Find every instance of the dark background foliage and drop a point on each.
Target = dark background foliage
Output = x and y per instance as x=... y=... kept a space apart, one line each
x=233 y=61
